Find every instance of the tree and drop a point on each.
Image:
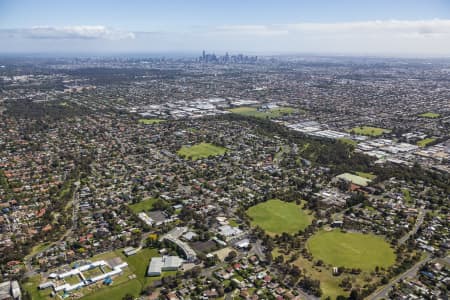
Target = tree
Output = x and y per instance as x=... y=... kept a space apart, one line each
x=279 y=259
x=232 y=255
x=354 y=295
x=128 y=297
x=148 y=290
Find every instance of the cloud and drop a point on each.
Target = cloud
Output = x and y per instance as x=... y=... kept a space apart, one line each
x=385 y=37
x=69 y=32
x=259 y=30
x=390 y=27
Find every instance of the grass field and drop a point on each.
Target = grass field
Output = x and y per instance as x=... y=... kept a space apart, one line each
x=348 y=141
x=137 y=265
x=406 y=195
x=425 y=142
x=201 y=150
x=271 y=113
x=233 y=223
x=92 y=272
x=150 y=121
x=430 y=115
x=276 y=216
x=328 y=283
x=39 y=248
x=132 y=287
x=351 y=250
x=368 y=130
x=31 y=287
x=74 y=279
x=356 y=179
x=144 y=205
x=370 y=176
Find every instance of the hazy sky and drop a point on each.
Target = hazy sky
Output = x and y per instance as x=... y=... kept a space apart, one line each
x=374 y=27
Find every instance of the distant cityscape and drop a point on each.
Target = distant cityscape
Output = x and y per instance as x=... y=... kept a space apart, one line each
x=225 y=59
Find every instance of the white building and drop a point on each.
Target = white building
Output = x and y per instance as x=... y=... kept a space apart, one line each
x=166 y=263
x=10 y=290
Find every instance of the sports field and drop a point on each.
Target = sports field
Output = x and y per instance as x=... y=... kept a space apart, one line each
x=368 y=130
x=359 y=180
x=271 y=113
x=425 y=142
x=150 y=121
x=430 y=115
x=276 y=216
x=131 y=287
x=201 y=150
x=370 y=176
x=329 y=283
x=351 y=250
x=144 y=205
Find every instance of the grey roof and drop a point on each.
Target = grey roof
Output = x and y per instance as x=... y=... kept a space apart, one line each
x=172 y=262
x=9 y=290
x=155 y=266
x=159 y=264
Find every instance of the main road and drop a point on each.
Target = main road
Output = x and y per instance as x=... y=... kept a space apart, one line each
x=411 y=272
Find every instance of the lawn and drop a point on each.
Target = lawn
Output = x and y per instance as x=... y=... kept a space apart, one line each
x=271 y=113
x=348 y=141
x=92 y=272
x=425 y=142
x=276 y=216
x=132 y=287
x=351 y=250
x=31 y=286
x=39 y=248
x=355 y=179
x=430 y=115
x=370 y=176
x=74 y=279
x=138 y=264
x=144 y=205
x=368 y=130
x=150 y=121
x=406 y=195
x=233 y=223
x=201 y=150
x=328 y=283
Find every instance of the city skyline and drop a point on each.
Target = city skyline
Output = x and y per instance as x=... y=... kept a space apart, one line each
x=403 y=28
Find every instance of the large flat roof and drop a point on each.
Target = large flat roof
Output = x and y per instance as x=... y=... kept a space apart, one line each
x=355 y=179
x=155 y=266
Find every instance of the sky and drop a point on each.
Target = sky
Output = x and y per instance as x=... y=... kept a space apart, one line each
x=341 y=27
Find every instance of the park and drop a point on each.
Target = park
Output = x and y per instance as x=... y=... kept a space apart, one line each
x=269 y=113
x=351 y=249
x=276 y=216
x=368 y=131
x=430 y=115
x=202 y=150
